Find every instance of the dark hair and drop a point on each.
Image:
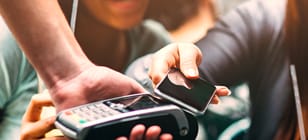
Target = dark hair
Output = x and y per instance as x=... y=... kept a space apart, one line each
x=296 y=32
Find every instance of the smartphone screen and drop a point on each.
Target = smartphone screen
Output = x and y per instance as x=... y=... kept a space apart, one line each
x=194 y=94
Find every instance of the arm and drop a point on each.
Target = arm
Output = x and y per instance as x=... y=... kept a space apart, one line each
x=44 y=35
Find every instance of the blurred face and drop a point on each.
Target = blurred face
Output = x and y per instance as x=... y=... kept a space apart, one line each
x=120 y=14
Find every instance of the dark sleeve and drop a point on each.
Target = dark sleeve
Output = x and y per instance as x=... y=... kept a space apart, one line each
x=232 y=49
x=246 y=45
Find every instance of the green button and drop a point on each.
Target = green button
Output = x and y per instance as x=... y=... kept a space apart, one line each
x=82 y=121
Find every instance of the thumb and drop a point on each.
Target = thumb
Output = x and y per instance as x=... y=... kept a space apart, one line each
x=190 y=58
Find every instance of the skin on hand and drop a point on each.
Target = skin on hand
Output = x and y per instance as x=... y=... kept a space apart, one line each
x=33 y=127
x=92 y=84
x=139 y=132
x=185 y=56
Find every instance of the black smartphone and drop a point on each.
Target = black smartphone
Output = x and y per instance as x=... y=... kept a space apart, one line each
x=192 y=94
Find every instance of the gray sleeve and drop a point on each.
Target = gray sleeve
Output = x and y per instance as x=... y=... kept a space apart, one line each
x=246 y=46
x=147 y=38
x=232 y=49
x=138 y=70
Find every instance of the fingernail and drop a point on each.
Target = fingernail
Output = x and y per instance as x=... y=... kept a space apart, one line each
x=218 y=102
x=228 y=91
x=224 y=89
x=191 y=72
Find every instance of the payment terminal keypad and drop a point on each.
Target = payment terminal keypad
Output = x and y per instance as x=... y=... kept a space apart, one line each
x=88 y=113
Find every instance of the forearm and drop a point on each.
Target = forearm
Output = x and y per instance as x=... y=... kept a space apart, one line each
x=44 y=35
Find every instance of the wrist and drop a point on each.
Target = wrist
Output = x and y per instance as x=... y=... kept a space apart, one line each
x=67 y=90
x=69 y=72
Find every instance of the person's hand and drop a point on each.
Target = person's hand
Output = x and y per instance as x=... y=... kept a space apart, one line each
x=185 y=56
x=33 y=126
x=94 y=83
x=140 y=132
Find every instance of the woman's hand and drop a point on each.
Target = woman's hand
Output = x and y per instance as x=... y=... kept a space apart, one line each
x=186 y=57
x=33 y=126
x=140 y=132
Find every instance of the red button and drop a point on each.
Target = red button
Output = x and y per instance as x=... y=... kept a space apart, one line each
x=68 y=113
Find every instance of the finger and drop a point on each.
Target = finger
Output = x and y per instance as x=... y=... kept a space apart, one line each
x=56 y=138
x=35 y=107
x=166 y=136
x=153 y=133
x=137 y=132
x=37 y=129
x=54 y=133
x=222 y=91
x=215 y=100
x=190 y=58
x=132 y=85
x=135 y=87
x=121 y=138
x=162 y=61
